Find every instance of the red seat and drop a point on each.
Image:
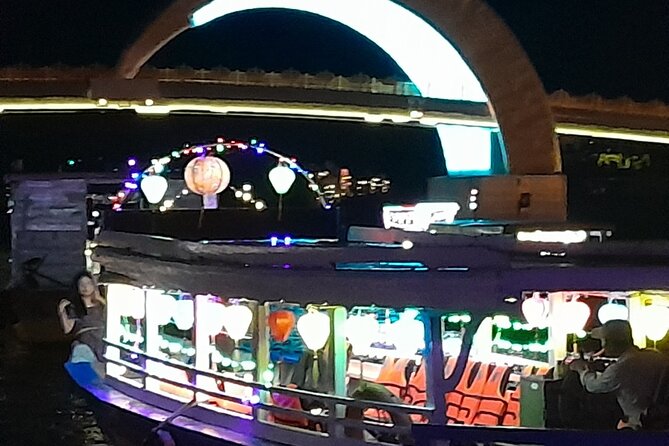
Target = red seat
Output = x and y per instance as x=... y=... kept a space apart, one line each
x=493 y=404
x=454 y=398
x=472 y=396
x=288 y=402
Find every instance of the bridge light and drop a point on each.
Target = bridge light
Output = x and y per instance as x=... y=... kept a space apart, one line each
x=148 y=102
x=102 y=102
x=416 y=114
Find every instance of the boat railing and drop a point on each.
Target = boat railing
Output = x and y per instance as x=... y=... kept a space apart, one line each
x=432 y=435
x=331 y=417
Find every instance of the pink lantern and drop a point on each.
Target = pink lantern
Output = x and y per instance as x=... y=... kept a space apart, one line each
x=207 y=176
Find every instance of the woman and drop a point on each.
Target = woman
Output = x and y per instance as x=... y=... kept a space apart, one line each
x=84 y=318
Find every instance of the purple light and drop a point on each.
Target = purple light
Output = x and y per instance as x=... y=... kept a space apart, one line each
x=286 y=266
x=132 y=162
x=273 y=241
x=259 y=150
x=134 y=175
x=130 y=185
x=287 y=241
x=199 y=150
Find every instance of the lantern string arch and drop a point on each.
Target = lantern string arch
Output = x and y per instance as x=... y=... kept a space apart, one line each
x=208 y=174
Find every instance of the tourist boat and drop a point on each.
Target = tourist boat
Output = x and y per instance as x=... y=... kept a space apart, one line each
x=424 y=329
x=265 y=342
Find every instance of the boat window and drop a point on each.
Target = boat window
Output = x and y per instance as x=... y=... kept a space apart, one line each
x=452 y=328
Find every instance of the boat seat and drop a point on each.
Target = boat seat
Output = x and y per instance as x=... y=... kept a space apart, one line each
x=454 y=398
x=492 y=404
x=288 y=402
x=472 y=396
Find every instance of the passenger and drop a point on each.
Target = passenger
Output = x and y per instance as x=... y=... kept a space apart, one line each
x=634 y=378
x=84 y=318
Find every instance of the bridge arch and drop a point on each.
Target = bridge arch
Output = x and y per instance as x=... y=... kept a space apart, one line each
x=488 y=63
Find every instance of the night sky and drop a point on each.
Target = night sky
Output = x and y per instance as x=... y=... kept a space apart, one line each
x=612 y=48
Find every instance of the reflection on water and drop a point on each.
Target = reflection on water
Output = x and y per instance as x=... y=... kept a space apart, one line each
x=39 y=405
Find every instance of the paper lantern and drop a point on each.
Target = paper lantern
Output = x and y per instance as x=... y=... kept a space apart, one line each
x=361 y=331
x=572 y=317
x=212 y=319
x=281 y=324
x=282 y=178
x=612 y=311
x=655 y=321
x=131 y=302
x=535 y=310
x=314 y=328
x=154 y=188
x=236 y=320
x=207 y=175
x=408 y=334
x=161 y=308
x=184 y=314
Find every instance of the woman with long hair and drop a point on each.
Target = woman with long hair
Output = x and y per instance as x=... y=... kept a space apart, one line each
x=83 y=317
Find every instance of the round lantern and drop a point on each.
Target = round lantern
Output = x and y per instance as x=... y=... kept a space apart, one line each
x=213 y=318
x=207 y=175
x=236 y=321
x=655 y=321
x=184 y=314
x=154 y=188
x=161 y=307
x=282 y=178
x=408 y=334
x=361 y=331
x=573 y=316
x=314 y=328
x=612 y=311
x=535 y=310
x=281 y=324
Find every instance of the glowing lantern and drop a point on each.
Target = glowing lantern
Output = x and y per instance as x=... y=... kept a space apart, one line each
x=535 y=310
x=236 y=320
x=162 y=307
x=655 y=321
x=408 y=334
x=154 y=188
x=281 y=324
x=213 y=318
x=282 y=178
x=612 y=311
x=573 y=316
x=207 y=176
x=184 y=314
x=361 y=331
x=131 y=302
x=314 y=328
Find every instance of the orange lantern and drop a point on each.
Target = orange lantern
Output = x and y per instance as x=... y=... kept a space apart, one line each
x=207 y=175
x=281 y=324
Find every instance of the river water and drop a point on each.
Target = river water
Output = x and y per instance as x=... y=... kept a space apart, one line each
x=39 y=405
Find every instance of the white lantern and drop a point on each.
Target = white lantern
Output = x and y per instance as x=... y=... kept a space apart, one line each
x=236 y=320
x=408 y=334
x=282 y=178
x=535 y=310
x=314 y=328
x=655 y=321
x=212 y=319
x=154 y=188
x=161 y=307
x=572 y=317
x=184 y=314
x=612 y=311
x=361 y=331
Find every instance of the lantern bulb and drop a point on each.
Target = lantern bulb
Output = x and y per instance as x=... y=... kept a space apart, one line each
x=282 y=178
x=154 y=188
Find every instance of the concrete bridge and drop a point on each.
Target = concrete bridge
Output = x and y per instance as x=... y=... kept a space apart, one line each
x=300 y=95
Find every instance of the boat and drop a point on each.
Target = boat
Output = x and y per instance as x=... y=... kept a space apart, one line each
x=423 y=330
x=259 y=342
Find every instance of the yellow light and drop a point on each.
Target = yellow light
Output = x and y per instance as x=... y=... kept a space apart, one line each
x=148 y=102
x=652 y=136
x=102 y=102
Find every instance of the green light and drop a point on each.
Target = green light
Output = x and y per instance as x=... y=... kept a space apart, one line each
x=175 y=154
x=220 y=148
x=70 y=162
x=254 y=141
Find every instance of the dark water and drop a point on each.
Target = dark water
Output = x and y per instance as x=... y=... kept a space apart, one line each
x=38 y=403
